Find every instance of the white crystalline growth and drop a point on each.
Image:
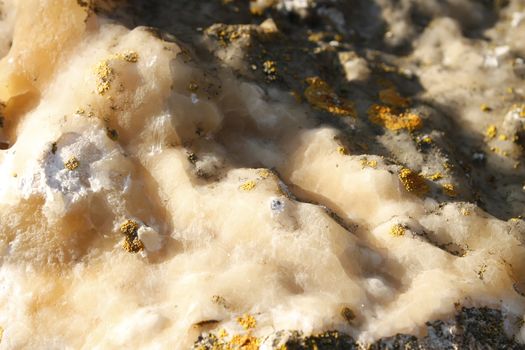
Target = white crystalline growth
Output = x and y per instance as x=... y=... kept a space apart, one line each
x=50 y=176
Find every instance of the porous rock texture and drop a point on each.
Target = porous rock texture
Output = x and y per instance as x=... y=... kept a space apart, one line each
x=262 y=174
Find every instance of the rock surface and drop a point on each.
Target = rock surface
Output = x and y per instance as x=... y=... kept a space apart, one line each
x=262 y=174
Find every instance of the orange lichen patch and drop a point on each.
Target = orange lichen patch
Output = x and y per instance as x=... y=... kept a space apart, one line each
x=413 y=182
x=248 y=185
x=397 y=230
x=247 y=321
x=450 y=190
x=491 y=131
x=72 y=163
x=391 y=97
x=320 y=95
x=342 y=150
x=386 y=117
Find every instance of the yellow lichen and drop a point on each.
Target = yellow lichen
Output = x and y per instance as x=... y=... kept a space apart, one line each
x=222 y=333
x=413 y=182
x=247 y=321
x=264 y=173
x=426 y=140
x=320 y=95
x=436 y=176
x=248 y=185
x=244 y=342
x=503 y=137
x=499 y=151
x=397 y=230
x=129 y=227
x=342 y=150
x=129 y=56
x=391 y=97
x=131 y=243
x=368 y=163
x=465 y=212
x=72 y=163
x=270 y=69
x=491 y=131
x=105 y=75
x=450 y=190
x=386 y=117
x=485 y=108
x=316 y=36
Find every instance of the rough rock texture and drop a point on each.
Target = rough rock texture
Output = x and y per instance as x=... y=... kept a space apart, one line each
x=262 y=174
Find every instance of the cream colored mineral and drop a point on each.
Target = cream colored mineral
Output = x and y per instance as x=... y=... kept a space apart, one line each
x=134 y=211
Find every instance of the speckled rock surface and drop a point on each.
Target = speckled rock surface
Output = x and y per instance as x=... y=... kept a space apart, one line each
x=268 y=174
